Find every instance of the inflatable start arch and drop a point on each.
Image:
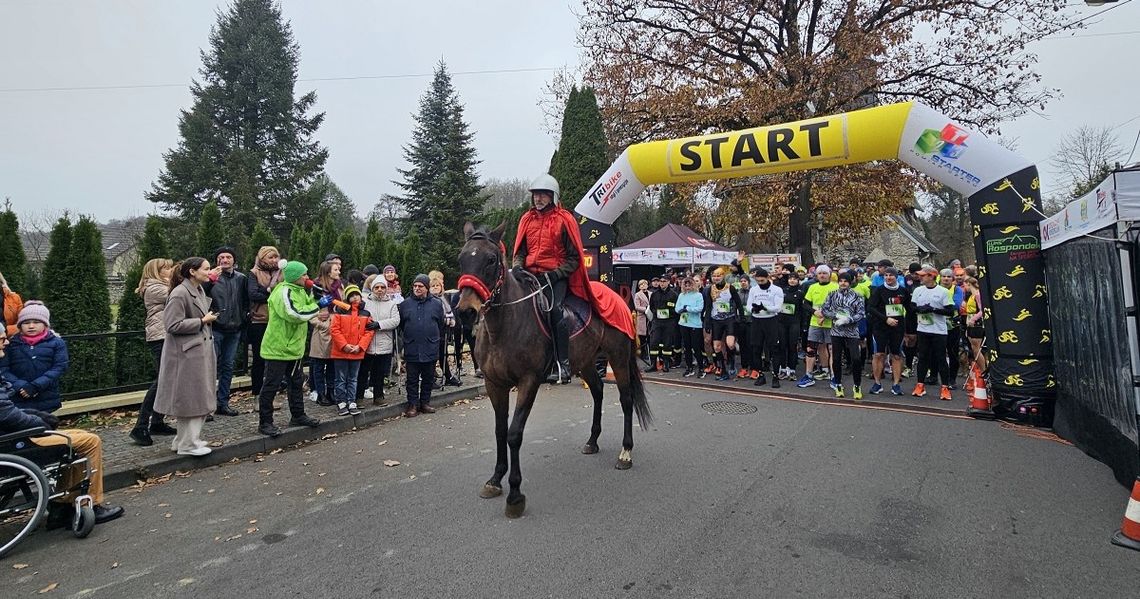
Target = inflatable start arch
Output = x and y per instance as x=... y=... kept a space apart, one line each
x=1002 y=187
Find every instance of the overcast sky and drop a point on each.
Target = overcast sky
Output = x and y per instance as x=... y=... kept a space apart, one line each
x=97 y=151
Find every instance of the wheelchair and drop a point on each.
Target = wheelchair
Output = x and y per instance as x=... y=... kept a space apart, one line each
x=31 y=478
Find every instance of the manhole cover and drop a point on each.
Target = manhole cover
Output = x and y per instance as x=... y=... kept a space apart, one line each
x=728 y=407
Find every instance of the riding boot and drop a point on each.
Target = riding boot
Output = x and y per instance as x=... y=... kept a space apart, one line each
x=562 y=351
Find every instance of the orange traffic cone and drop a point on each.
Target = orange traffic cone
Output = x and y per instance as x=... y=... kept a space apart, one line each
x=980 y=400
x=1129 y=533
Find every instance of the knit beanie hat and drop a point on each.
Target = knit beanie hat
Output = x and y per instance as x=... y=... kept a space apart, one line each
x=423 y=279
x=225 y=249
x=34 y=310
x=389 y=268
x=349 y=290
x=371 y=270
x=375 y=280
x=293 y=270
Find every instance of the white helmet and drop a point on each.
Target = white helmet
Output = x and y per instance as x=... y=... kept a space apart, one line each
x=545 y=182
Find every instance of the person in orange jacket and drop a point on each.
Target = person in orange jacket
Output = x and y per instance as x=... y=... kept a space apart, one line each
x=13 y=303
x=352 y=331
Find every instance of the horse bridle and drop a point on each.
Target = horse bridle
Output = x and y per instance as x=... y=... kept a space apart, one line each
x=490 y=295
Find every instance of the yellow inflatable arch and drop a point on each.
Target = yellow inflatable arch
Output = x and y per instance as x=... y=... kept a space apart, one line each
x=1002 y=187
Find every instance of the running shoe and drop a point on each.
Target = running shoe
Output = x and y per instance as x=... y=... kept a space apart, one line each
x=874 y=390
x=896 y=389
x=342 y=409
x=856 y=393
x=919 y=390
x=945 y=394
x=724 y=376
x=805 y=381
x=820 y=375
x=838 y=390
x=743 y=374
x=755 y=374
x=906 y=373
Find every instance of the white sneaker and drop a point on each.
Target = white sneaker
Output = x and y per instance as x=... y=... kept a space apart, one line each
x=197 y=451
x=312 y=396
x=367 y=394
x=352 y=409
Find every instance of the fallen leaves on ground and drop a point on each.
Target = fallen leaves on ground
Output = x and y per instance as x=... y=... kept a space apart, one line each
x=320 y=490
x=19 y=566
x=384 y=442
x=329 y=436
x=49 y=588
x=391 y=463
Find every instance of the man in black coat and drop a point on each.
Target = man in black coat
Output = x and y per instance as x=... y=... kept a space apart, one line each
x=421 y=320
x=230 y=301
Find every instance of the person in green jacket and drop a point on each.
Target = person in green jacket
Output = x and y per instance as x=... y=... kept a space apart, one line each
x=291 y=307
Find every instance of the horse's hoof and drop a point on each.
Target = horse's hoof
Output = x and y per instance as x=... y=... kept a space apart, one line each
x=515 y=510
x=589 y=449
x=624 y=464
x=488 y=491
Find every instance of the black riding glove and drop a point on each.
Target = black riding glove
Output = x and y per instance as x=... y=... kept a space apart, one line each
x=757 y=307
x=372 y=325
x=50 y=421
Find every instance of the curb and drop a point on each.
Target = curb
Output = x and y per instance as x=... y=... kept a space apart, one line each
x=254 y=444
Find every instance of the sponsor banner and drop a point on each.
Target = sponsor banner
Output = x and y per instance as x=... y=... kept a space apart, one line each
x=666 y=256
x=770 y=261
x=1013 y=283
x=1091 y=212
x=612 y=194
x=953 y=154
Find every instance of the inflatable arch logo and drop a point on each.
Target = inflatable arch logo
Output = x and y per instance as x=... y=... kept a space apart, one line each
x=1002 y=187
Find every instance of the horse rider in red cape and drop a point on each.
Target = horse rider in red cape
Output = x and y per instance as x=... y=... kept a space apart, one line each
x=549 y=246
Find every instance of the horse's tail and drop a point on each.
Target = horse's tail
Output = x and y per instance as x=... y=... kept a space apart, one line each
x=637 y=392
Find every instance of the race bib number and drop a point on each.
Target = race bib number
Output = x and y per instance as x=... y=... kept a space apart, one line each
x=842 y=314
x=663 y=314
x=788 y=309
x=927 y=319
x=722 y=307
x=895 y=311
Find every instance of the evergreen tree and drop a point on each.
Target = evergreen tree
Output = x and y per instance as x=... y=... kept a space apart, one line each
x=328 y=236
x=13 y=263
x=412 y=263
x=88 y=310
x=348 y=249
x=53 y=277
x=298 y=243
x=441 y=189
x=260 y=238
x=375 y=245
x=133 y=361
x=247 y=140
x=210 y=236
x=581 y=158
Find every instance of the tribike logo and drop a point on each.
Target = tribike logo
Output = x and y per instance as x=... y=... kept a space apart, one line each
x=1013 y=243
x=1014 y=380
x=1002 y=292
x=1008 y=337
x=608 y=189
x=943 y=148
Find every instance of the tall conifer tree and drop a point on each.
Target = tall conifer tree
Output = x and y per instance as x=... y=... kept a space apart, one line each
x=133 y=361
x=87 y=309
x=582 y=151
x=247 y=140
x=441 y=189
x=13 y=262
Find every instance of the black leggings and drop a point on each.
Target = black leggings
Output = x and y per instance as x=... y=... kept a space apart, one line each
x=932 y=357
x=256 y=332
x=374 y=370
x=789 y=336
x=953 y=338
x=766 y=342
x=146 y=411
x=693 y=340
x=849 y=346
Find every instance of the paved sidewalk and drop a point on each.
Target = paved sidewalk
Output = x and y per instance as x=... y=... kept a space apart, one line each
x=236 y=437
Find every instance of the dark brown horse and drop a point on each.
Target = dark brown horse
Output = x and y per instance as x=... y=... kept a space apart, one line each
x=513 y=352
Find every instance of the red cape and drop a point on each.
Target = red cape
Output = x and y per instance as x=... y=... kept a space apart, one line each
x=605 y=301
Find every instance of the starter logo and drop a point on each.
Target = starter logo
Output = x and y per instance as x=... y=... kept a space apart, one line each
x=608 y=188
x=943 y=149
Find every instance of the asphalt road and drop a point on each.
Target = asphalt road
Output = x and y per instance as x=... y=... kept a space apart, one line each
x=793 y=500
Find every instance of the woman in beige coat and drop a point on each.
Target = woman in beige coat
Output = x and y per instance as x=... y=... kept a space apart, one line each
x=189 y=367
x=154 y=287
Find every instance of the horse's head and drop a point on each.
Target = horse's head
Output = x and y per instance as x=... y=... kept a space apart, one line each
x=482 y=265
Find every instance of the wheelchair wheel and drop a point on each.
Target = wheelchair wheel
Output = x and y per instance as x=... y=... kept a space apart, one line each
x=84 y=521
x=24 y=495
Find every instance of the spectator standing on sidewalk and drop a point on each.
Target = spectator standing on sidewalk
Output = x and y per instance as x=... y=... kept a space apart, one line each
x=291 y=307
x=328 y=277
x=846 y=309
x=421 y=319
x=690 y=306
x=154 y=287
x=640 y=305
x=662 y=325
x=36 y=360
x=447 y=376
x=189 y=366
x=263 y=277
x=12 y=306
x=386 y=316
x=393 y=280
x=229 y=291
x=351 y=335
x=932 y=305
x=322 y=376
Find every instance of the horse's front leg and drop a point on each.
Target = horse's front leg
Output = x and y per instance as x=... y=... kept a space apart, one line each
x=516 y=501
x=501 y=402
